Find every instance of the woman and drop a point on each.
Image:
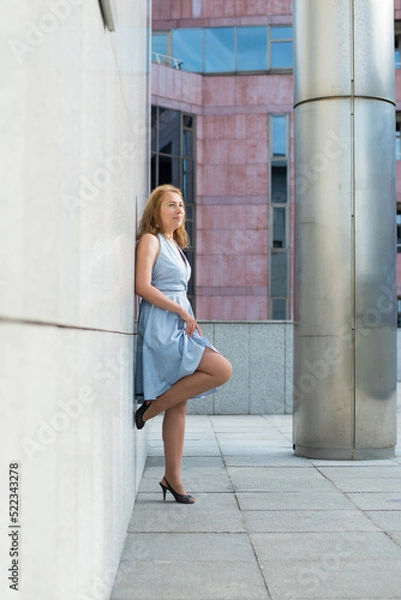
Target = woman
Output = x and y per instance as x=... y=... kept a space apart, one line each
x=174 y=361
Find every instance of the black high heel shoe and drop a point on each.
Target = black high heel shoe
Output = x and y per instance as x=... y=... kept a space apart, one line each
x=139 y=422
x=182 y=498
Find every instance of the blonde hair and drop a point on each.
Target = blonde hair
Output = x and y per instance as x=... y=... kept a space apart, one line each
x=151 y=215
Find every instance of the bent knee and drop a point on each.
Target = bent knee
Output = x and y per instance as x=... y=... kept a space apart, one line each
x=226 y=371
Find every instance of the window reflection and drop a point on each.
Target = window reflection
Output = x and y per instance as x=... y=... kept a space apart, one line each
x=251 y=48
x=281 y=55
x=187 y=46
x=169 y=128
x=169 y=169
x=187 y=143
x=219 y=49
x=188 y=180
x=279 y=309
x=281 y=33
x=278 y=275
x=398 y=312
x=225 y=49
x=279 y=135
x=279 y=184
x=154 y=130
x=279 y=228
x=279 y=254
x=159 y=43
x=398 y=223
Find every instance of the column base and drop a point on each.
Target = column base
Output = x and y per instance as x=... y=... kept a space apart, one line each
x=344 y=453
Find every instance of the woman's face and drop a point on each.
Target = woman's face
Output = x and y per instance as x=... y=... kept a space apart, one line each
x=171 y=212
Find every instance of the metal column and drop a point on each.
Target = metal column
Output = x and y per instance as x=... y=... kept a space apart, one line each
x=345 y=251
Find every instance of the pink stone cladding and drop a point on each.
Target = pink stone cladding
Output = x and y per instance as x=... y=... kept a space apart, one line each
x=232 y=185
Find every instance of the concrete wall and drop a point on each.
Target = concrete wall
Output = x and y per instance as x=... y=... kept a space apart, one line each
x=261 y=355
x=74 y=173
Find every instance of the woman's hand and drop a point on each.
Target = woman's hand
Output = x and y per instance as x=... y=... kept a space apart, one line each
x=191 y=324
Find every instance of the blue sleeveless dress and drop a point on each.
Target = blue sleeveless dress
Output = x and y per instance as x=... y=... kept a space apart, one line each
x=165 y=353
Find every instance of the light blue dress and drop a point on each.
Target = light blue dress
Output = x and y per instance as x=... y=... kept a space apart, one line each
x=165 y=353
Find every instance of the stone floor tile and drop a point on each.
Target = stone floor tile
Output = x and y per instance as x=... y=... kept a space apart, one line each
x=390 y=462
x=233 y=423
x=395 y=536
x=376 y=501
x=275 y=480
x=329 y=580
x=368 y=484
x=307 y=520
x=249 y=447
x=388 y=520
x=375 y=471
x=166 y=546
x=334 y=500
x=325 y=546
x=272 y=457
x=209 y=513
x=202 y=580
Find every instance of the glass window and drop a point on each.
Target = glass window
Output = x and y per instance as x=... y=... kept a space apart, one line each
x=219 y=50
x=159 y=42
x=281 y=47
x=153 y=172
x=188 y=180
x=187 y=121
x=169 y=131
x=169 y=170
x=281 y=55
x=281 y=33
x=397 y=45
x=398 y=221
x=251 y=48
x=278 y=275
x=154 y=129
x=279 y=309
x=187 y=143
x=279 y=228
x=279 y=184
x=279 y=136
x=187 y=47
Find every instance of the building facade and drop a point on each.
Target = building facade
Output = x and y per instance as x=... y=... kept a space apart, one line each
x=227 y=68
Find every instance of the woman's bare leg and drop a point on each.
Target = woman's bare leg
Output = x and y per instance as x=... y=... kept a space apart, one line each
x=173 y=433
x=213 y=370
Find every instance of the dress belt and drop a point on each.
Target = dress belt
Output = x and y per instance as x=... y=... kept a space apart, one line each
x=173 y=291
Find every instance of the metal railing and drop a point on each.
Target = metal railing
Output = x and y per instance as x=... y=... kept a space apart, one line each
x=168 y=61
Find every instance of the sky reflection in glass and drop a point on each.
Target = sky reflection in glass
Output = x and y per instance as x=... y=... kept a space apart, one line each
x=187 y=46
x=219 y=50
x=251 y=48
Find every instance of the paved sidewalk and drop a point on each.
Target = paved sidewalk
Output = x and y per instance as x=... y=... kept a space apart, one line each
x=265 y=524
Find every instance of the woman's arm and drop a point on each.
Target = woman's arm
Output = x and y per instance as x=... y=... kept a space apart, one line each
x=146 y=253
